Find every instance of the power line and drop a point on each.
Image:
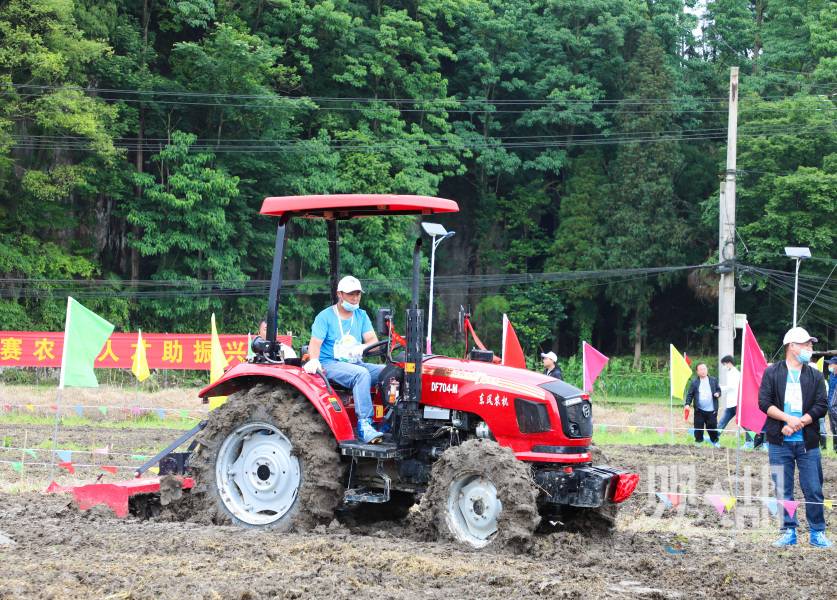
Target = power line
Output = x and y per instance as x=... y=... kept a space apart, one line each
x=31 y=287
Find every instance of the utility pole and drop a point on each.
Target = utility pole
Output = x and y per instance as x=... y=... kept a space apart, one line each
x=726 y=234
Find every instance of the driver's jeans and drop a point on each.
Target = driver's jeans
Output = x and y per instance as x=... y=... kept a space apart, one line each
x=360 y=377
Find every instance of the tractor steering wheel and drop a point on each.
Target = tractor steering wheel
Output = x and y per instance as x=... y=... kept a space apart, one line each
x=376 y=349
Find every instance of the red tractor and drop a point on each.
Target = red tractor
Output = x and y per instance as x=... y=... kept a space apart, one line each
x=488 y=449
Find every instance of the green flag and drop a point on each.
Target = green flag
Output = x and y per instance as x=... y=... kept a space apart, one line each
x=85 y=333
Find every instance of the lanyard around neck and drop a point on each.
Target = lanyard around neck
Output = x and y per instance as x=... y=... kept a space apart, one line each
x=340 y=322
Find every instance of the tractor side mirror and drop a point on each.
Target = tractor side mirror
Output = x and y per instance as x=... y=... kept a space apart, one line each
x=382 y=320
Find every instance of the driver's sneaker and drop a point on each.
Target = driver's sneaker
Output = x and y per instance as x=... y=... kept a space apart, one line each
x=818 y=540
x=788 y=538
x=368 y=434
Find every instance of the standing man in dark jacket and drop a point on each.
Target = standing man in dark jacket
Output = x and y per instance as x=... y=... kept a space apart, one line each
x=550 y=365
x=705 y=391
x=792 y=394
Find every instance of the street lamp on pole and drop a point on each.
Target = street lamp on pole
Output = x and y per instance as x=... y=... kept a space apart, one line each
x=798 y=254
x=438 y=234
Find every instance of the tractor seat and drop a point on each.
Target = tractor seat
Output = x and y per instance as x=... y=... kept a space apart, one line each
x=339 y=388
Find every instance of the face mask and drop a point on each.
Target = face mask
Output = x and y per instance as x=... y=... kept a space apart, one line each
x=804 y=356
x=349 y=306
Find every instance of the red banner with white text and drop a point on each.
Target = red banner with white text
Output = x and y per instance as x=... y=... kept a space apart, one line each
x=163 y=350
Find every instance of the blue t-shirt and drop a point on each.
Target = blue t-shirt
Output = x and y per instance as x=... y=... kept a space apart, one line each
x=832 y=389
x=793 y=402
x=330 y=328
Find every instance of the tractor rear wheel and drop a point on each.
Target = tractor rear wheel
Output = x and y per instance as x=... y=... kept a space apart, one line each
x=267 y=459
x=479 y=494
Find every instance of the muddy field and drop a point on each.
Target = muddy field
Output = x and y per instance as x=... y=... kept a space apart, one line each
x=48 y=549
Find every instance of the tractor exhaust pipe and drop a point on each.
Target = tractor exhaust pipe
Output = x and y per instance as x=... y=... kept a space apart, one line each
x=415 y=333
x=416 y=272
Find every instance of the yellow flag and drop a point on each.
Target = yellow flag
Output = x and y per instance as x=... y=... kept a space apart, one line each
x=821 y=364
x=140 y=366
x=217 y=364
x=681 y=373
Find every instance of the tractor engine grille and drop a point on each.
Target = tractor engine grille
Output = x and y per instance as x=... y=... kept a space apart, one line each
x=576 y=417
x=574 y=408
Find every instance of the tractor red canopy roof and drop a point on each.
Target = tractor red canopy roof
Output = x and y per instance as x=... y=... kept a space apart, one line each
x=347 y=206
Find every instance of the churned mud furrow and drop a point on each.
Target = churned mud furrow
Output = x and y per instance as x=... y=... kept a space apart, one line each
x=55 y=551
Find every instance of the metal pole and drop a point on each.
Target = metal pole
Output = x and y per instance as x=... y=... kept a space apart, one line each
x=726 y=234
x=430 y=307
x=795 y=290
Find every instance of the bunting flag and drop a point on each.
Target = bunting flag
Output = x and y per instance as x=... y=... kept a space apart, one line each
x=139 y=457
x=30 y=407
x=64 y=455
x=632 y=428
x=85 y=333
x=729 y=503
x=109 y=469
x=161 y=413
x=820 y=364
x=31 y=453
x=136 y=411
x=17 y=466
x=680 y=372
x=79 y=410
x=749 y=415
x=140 y=366
x=592 y=363
x=512 y=352
x=661 y=430
x=102 y=451
x=69 y=466
x=674 y=499
x=790 y=506
x=103 y=410
x=664 y=499
x=184 y=414
x=772 y=505
x=828 y=504
x=717 y=501
x=602 y=428
x=217 y=364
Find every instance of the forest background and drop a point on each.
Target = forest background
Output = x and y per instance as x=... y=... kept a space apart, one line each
x=584 y=141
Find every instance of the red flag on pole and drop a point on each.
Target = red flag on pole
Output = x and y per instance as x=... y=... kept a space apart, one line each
x=752 y=368
x=592 y=362
x=512 y=352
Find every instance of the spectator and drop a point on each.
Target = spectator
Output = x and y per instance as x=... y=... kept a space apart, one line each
x=705 y=392
x=550 y=365
x=832 y=400
x=730 y=391
x=792 y=394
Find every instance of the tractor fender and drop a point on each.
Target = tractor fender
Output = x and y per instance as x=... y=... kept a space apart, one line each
x=246 y=375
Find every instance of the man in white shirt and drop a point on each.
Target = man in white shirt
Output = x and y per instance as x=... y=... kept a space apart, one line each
x=730 y=390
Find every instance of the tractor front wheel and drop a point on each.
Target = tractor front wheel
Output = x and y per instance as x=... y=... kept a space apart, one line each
x=266 y=458
x=479 y=495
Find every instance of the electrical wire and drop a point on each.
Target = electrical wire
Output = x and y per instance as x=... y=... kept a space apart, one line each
x=31 y=288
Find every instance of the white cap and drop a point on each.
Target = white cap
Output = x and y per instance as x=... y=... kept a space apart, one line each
x=349 y=284
x=798 y=335
x=550 y=355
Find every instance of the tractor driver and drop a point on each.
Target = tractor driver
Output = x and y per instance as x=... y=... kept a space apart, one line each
x=338 y=337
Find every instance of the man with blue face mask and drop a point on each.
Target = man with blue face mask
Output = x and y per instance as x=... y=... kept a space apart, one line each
x=338 y=337
x=792 y=394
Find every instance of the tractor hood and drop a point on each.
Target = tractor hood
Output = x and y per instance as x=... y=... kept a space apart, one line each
x=484 y=371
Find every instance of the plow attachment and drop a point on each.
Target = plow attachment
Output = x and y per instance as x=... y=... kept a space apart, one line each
x=114 y=495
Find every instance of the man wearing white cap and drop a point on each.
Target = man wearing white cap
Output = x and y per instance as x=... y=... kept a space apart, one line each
x=792 y=394
x=550 y=365
x=338 y=337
